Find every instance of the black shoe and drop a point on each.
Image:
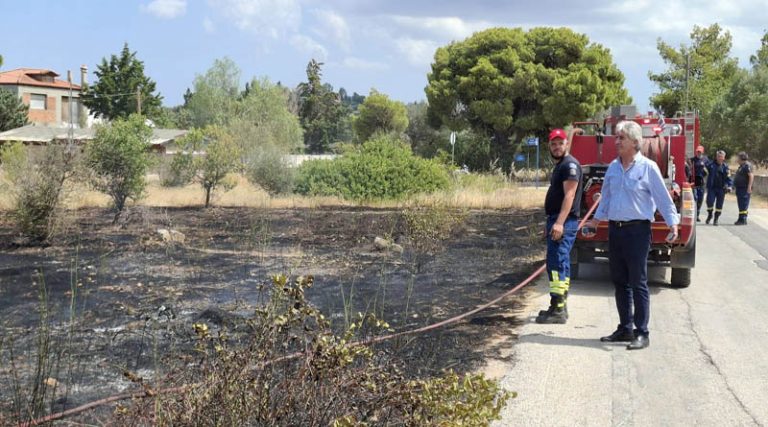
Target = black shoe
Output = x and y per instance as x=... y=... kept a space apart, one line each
x=715 y=223
x=697 y=219
x=740 y=222
x=640 y=342
x=619 y=335
x=709 y=218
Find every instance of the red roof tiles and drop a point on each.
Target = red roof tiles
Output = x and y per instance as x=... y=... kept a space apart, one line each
x=26 y=77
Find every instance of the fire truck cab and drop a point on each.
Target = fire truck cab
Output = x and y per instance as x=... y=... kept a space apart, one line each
x=667 y=141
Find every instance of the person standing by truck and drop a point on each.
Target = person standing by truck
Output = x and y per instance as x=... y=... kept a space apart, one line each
x=561 y=206
x=632 y=191
x=696 y=173
x=743 y=184
x=718 y=183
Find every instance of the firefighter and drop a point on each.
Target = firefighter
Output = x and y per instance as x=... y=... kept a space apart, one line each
x=632 y=191
x=743 y=184
x=696 y=173
x=718 y=183
x=561 y=206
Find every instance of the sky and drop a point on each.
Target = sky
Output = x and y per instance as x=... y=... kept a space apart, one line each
x=383 y=44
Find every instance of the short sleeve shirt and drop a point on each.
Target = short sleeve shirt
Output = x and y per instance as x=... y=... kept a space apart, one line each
x=742 y=175
x=566 y=170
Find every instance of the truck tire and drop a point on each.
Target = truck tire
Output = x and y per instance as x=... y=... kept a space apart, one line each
x=681 y=277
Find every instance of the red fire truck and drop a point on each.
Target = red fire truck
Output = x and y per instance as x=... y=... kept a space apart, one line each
x=669 y=141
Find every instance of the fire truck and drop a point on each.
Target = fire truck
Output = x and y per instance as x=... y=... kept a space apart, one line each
x=669 y=141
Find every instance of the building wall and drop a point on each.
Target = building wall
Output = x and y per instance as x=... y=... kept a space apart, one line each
x=52 y=115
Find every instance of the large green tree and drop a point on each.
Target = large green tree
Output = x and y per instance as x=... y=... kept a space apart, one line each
x=760 y=58
x=122 y=88
x=379 y=114
x=215 y=94
x=507 y=83
x=265 y=131
x=697 y=75
x=740 y=117
x=13 y=112
x=322 y=114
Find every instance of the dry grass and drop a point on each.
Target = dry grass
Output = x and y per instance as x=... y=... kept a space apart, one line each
x=470 y=191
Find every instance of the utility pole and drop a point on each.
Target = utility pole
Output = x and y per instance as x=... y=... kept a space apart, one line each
x=687 y=76
x=71 y=130
x=138 y=99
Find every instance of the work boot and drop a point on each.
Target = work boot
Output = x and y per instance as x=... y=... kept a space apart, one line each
x=717 y=216
x=709 y=217
x=741 y=221
x=556 y=313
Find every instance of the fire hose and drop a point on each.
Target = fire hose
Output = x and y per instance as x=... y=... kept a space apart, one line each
x=139 y=394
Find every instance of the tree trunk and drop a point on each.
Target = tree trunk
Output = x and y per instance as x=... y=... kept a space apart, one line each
x=503 y=150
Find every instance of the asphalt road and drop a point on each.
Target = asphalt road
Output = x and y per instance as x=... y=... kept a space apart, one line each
x=707 y=364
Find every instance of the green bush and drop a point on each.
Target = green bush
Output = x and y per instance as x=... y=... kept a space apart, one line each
x=383 y=168
x=35 y=179
x=266 y=167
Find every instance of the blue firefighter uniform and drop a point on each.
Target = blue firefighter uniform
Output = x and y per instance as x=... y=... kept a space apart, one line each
x=743 y=192
x=558 y=251
x=698 y=176
x=718 y=182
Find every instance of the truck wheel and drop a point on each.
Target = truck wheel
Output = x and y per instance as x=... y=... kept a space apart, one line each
x=574 y=271
x=681 y=277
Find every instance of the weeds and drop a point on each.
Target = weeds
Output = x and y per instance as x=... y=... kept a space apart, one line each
x=245 y=379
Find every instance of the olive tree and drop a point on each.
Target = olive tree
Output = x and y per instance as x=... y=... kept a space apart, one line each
x=118 y=159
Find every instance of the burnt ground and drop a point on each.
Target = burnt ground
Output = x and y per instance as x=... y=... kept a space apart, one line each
x=129 y=292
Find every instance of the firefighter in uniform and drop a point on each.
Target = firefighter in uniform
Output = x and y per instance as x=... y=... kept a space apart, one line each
x=561 y=206
x=718 y=183
x=696 y=172
x=743 y=184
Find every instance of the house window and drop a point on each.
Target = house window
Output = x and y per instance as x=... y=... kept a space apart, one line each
x=38 y=101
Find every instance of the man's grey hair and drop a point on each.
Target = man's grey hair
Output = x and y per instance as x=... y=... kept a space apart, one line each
x=721 y=152
x=632 y=130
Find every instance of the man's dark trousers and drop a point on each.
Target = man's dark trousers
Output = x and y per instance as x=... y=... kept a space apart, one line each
x=628 y=248
x=698 y=194
x=742 y=199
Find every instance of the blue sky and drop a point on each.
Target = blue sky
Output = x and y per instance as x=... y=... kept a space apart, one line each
x=364 y=44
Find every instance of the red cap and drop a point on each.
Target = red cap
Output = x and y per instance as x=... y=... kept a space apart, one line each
x=700 y=149
x=557 y=133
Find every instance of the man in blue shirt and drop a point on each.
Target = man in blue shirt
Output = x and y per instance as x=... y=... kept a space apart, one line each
x=632 y=191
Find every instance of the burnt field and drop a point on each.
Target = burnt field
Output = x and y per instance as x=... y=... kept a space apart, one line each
x=109 y=299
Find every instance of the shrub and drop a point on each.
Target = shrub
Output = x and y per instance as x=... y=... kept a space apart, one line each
x=266 y=167
x=118 y=159
x=383 y=168
x=36 y=182
x=179 y=171
x=247 y=378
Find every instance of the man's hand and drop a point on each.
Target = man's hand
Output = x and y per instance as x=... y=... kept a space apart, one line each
x=672 y=236
x=557 y=231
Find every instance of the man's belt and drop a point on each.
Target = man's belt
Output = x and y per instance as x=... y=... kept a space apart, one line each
x=621 y=224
